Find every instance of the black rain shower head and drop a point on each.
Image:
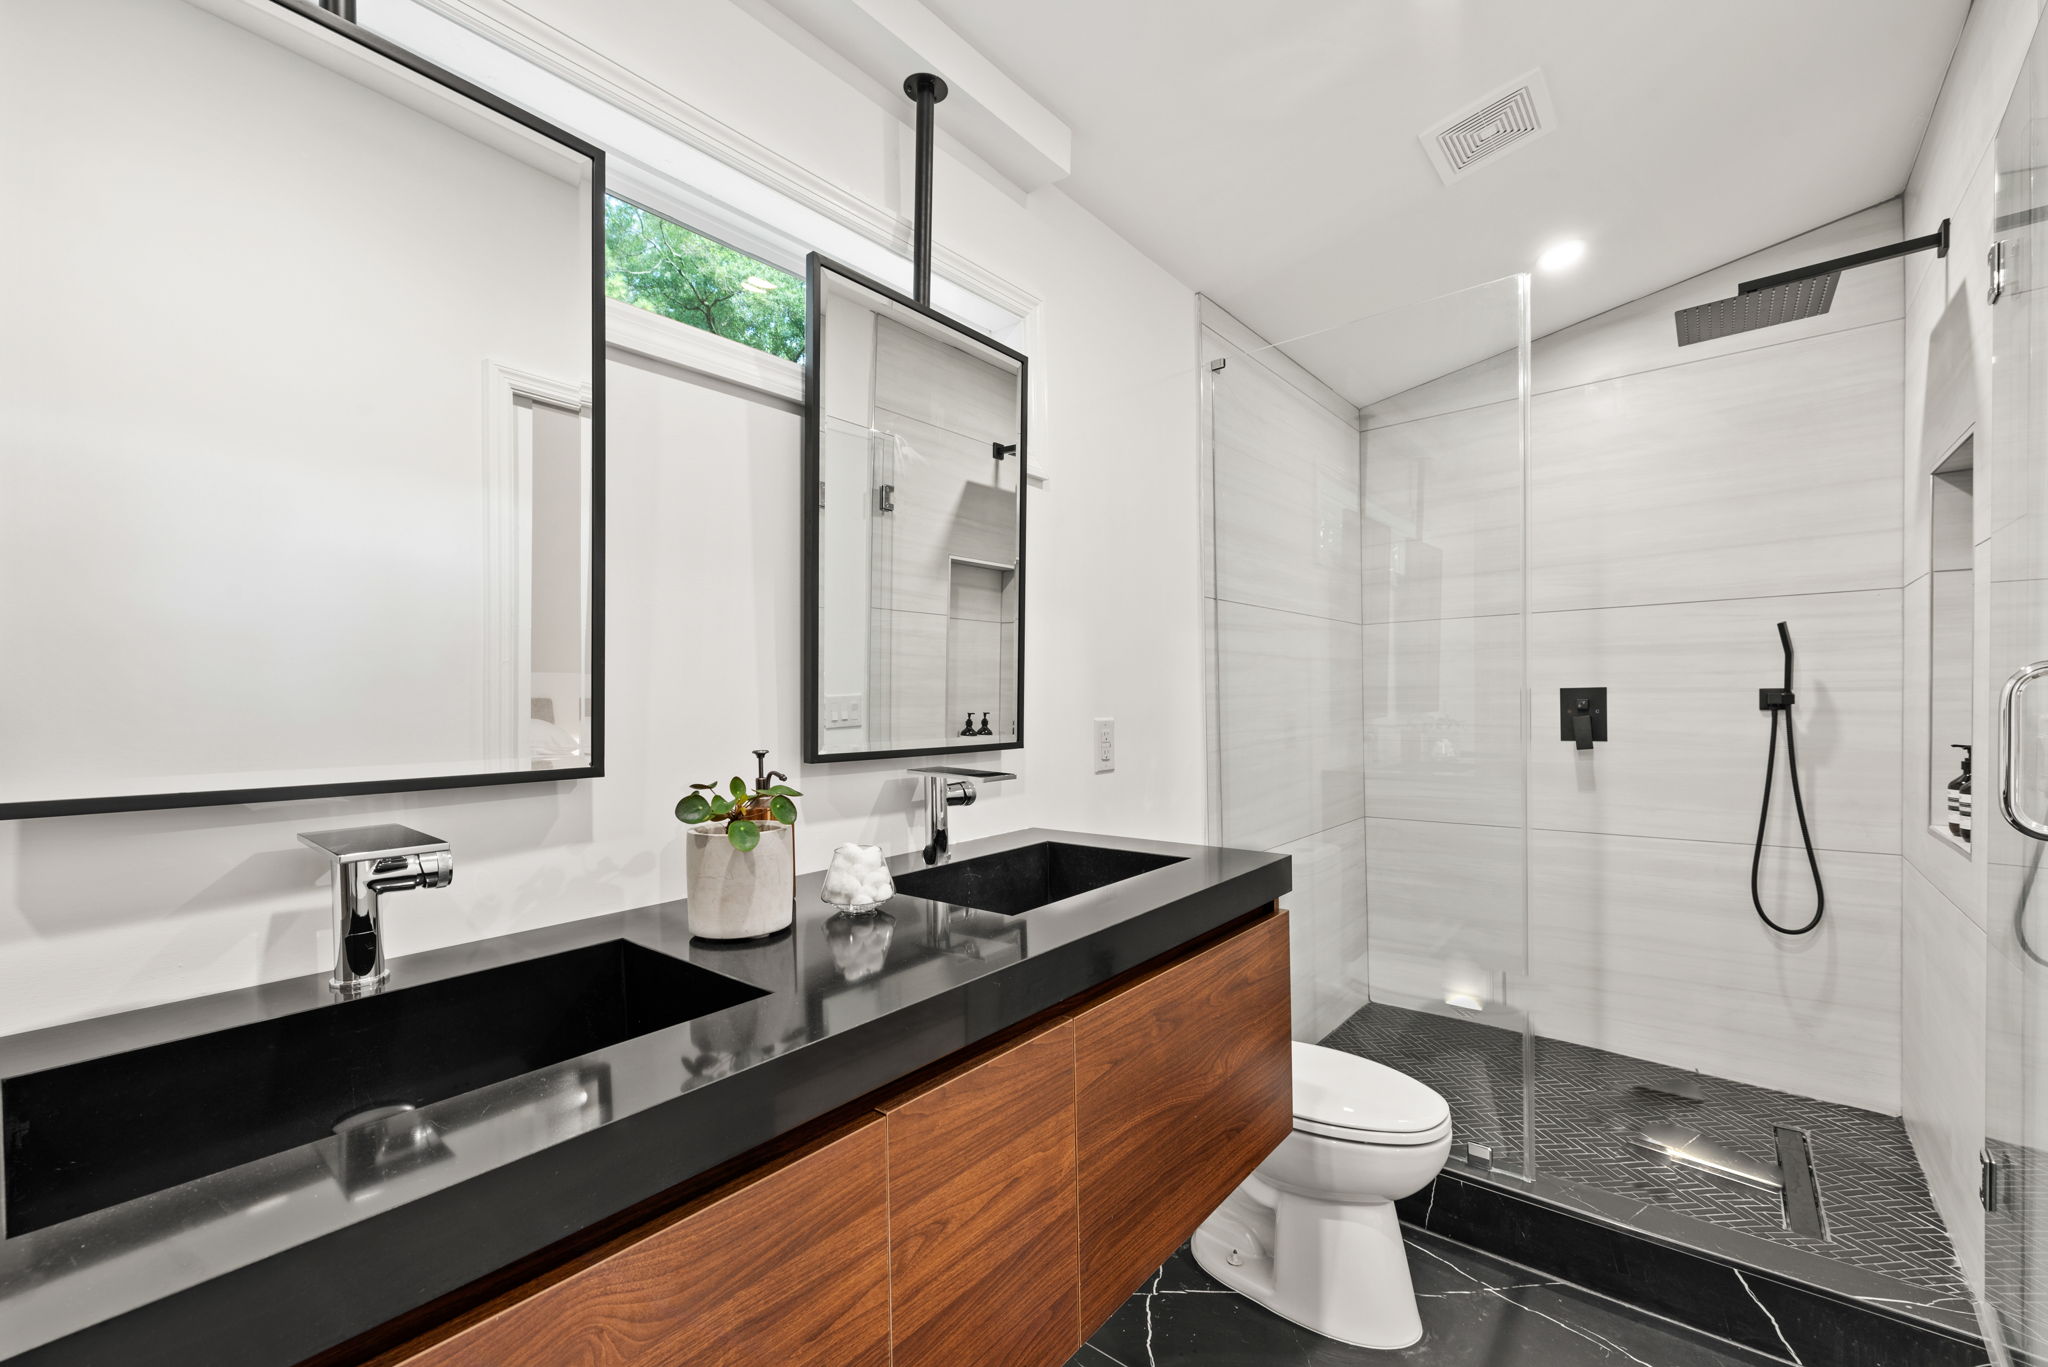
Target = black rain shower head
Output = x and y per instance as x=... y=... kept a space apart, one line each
x=1790 y=295
x=1758 y=309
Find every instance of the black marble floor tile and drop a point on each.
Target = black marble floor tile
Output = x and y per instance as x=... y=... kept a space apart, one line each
x=1881 y=1218
x=1476 y=1312
x=1725 y=1295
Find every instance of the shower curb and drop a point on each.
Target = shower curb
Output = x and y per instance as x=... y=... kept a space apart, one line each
x=1714 y=1290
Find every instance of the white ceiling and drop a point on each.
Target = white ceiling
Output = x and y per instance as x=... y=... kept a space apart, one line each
x=1268 y=154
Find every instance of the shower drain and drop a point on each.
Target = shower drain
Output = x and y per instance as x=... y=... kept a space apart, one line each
x=1792 y=1177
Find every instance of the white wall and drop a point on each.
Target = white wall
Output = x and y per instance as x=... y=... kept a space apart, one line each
x=1948 y=353
x=104 y=912
x=1680 y=504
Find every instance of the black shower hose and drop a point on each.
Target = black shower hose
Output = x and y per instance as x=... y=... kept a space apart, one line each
x=1782 y=707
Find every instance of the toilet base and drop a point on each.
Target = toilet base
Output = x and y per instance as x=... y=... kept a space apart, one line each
x=1335 y=1267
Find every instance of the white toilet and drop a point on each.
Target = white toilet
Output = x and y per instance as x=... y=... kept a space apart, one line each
x=1312 y=1234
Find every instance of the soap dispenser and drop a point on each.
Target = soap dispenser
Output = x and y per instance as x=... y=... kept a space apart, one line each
x=1959 y=798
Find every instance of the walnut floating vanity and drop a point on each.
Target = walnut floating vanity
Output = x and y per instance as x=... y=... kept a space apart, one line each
x=944 y=1134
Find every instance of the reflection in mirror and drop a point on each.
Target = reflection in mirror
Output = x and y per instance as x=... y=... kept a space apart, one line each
x=302 y=437
x=915 y=428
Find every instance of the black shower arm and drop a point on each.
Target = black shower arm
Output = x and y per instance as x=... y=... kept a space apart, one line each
x=1936 y=240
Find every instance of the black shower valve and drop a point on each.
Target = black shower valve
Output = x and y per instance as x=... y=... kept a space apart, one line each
x=1582 y=716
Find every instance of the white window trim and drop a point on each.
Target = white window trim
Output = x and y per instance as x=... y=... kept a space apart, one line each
x=595 y=74
x=636 y=330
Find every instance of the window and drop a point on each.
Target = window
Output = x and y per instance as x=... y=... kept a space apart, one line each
x=659 y=265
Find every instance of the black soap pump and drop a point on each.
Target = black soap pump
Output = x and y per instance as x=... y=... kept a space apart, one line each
x=983 y=730
x=1959 y=799
x=968 y=729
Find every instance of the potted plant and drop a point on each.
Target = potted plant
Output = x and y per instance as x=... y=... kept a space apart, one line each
x=742 y=855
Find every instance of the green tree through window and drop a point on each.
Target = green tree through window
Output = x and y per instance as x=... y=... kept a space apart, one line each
x=663 y=267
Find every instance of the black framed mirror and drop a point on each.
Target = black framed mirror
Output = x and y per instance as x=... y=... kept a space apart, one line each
x=302 y=466
x=915 y=460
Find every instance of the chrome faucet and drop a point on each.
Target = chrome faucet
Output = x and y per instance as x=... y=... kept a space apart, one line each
x=944 y=788
x=367 y=862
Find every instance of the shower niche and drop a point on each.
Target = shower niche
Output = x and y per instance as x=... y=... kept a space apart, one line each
x=1951 y=644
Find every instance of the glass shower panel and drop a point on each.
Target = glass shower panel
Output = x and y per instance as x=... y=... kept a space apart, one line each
x=2015 y=476
x=1365 y=528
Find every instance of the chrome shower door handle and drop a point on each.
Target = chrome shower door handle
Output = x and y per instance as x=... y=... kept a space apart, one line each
x=2008 y=747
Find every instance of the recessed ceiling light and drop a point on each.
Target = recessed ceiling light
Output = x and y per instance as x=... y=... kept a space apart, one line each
x=757 y=285
x=1562 y=256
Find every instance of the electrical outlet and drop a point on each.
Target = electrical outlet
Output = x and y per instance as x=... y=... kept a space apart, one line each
x=842 y=711
x=1105 y=745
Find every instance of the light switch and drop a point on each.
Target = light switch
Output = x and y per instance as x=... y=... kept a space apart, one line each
x=842 y=711
x=1105 y=744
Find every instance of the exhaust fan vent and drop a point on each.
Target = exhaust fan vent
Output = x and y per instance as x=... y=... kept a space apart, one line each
x=1513 y=116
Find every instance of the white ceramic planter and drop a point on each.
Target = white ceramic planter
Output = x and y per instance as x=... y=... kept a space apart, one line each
x=735 y=896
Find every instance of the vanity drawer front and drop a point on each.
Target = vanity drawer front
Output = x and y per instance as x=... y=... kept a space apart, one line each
x=788 y=1267
x=1185 y=1083
x=985 y=1257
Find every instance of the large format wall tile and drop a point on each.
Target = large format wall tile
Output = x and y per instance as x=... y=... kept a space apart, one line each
x=1290 y=702
x=1443 y=516
x=1763 y=472
x=1327 y=928
x=1686 y=742
x=1650 y=948
x=932 y=381
x=1641 y=335
x=1443 y=720
x=1942 y=1068
x=1445 y=909
x=1286 y=501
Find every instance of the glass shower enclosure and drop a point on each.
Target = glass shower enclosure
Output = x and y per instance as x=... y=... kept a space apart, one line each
x=1367 y=624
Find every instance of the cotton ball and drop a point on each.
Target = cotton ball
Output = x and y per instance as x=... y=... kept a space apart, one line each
x=841 y=886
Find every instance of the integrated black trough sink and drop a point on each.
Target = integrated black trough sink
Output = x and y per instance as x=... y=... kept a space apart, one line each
x=1013 y=882
x=89 y=1135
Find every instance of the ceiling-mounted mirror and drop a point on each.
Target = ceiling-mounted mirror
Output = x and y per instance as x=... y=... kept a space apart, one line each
x=915 y=458
x=301 y=465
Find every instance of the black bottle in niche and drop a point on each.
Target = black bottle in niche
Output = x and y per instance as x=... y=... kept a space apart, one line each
x=984 y=731
x=968 y=728
x=1959 y=799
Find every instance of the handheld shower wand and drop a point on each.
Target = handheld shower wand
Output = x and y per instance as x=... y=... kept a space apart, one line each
x=1778 y=702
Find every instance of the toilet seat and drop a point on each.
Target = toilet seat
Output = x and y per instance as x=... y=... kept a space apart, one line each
x=1343 y=1096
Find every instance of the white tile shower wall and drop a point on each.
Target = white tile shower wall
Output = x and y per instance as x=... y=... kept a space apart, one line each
x=1651 y=948
x=1288 y=672
x=1767 y=472
x=1948 y=390
x=1685 y=755
x=1942 y=1078
x=100 y=913
x=1681 y=503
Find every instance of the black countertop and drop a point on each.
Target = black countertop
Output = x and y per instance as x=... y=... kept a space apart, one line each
x=272 y=1261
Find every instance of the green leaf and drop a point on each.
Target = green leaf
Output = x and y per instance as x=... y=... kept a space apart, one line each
x=783 y=810
x=739 y=788
x=703 y=787
x=719 y=806
x=783 y=790
x=693 y=809
x=744 y=835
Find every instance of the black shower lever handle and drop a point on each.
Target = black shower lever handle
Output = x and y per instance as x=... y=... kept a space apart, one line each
x=1582 y=725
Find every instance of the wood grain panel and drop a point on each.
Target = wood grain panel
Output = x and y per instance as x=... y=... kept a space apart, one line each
x=984 y=1235
x=788 y=1266
x=1185 y=1082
